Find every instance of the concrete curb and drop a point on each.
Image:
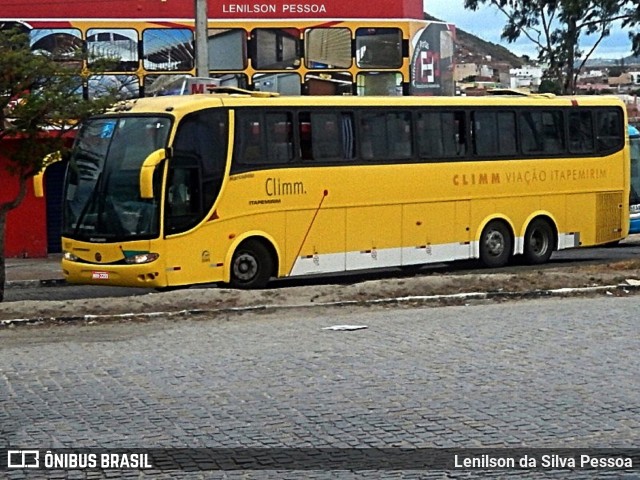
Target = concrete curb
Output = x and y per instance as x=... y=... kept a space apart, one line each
x=451 y=299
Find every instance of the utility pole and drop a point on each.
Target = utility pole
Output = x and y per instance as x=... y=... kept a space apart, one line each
x=202 y=52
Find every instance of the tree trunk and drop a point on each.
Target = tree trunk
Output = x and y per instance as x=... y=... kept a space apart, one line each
x=4 y=210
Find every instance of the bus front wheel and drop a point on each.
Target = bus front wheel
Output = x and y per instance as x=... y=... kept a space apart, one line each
x=538 y=242
x=495 y=245
x=251 y=266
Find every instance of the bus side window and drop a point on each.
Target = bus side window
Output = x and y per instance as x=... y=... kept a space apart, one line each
x=441 y=134
x=304 y=134
x=248 y=149
x=279 y=138
x=399 y=126
x=347 y=135
x=610 y=130
x=542 y=132
x=325 y=136
x=494 y=132
x=373 y=136
x=581 y=132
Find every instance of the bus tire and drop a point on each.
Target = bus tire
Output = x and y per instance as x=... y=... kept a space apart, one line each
x=539 y=242
x=496 y=244
x=251 y=266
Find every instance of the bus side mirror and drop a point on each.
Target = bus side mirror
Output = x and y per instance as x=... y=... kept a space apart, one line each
x=146 y=172
x=38 y=178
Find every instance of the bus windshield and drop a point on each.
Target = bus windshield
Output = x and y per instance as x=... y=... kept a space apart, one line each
x=102 y=196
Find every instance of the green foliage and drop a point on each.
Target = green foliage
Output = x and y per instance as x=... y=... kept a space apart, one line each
x=549 y=86
x=40 y=101
x=556 y=27
x=615 y=71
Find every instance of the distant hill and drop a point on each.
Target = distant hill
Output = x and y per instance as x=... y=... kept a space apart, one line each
x=613 y=62
x=470 y=48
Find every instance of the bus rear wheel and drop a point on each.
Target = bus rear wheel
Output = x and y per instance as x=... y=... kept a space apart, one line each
x=495 y=245
x=538 y=242
x=251 y=266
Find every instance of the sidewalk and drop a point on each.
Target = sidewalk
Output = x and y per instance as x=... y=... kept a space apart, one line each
x=22 y=271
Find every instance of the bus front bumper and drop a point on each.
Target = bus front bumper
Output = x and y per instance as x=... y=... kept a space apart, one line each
x=149 y=276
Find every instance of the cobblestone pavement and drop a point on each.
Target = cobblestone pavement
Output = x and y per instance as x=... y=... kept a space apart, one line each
x=555 y=373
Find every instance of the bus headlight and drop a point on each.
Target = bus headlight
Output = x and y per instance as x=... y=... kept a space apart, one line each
x=69 y=256
x=141 y=258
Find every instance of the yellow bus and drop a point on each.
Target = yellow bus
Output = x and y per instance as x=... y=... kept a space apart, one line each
x=242 y=187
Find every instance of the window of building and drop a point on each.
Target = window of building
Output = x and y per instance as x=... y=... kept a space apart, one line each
x=116 y=49
x=282 y=83
x=275 y=49
x=379 y=47
x=123 y=86
x=328 y=83
x=379 y=83
x=168 y=49
x=227 y=49
x=60 y=44
x=327 y=48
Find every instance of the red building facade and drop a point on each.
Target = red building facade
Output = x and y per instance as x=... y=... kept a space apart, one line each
x=26 y=233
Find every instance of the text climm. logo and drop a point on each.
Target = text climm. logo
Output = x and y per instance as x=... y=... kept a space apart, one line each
x=23 y=459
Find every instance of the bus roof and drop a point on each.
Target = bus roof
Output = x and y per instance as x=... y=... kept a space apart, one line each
x=183 y=104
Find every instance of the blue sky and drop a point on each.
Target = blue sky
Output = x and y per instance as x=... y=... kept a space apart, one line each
x=487 y=23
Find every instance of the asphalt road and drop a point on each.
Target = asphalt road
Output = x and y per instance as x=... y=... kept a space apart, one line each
x=558 y=373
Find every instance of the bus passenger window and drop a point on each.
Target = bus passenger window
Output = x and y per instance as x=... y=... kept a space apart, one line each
x=326 y=136
x=347 y=136
x=494 y=133
x=610 y=131
x=373 y=136
x=279 y=137
x=248 y=149
x=304 y=133
x=441 y=134
x=400 y=138
x=581 y=132
x=542 y=132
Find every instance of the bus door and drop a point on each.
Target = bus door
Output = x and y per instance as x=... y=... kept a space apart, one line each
x=194 y=181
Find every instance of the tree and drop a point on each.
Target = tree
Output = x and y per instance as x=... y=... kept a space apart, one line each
x=556 y=27
x=40 y=105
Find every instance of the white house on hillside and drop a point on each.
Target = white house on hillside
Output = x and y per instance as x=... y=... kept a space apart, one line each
x=527 y=77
